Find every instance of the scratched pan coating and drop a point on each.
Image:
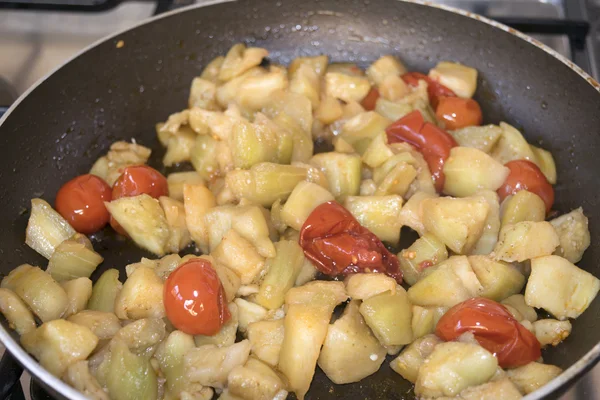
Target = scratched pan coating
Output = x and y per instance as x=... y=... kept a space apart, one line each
x=112 y=92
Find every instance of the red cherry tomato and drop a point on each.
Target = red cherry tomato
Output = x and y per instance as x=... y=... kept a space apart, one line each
x=434 y=89
x=526 y=175
x=494 y=328
x=431 y=141
x=457 y=112
x=195 y=300
x=81 y=202
x=370 y=99
x=140 y=179
x=337 y=244
x=136 y=180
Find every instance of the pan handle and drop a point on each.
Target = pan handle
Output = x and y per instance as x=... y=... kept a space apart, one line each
x=10 y=371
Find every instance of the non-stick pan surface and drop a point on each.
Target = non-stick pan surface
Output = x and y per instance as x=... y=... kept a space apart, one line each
x=115 y=92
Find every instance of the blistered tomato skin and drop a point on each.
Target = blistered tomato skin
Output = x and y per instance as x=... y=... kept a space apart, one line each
x=81 y=202
x=494 y=328
x=337 y=244
x=195 y=300
x=370 y=100
x=140 y=179
x=458 y=113
x=435 y=90
x=434 y=143
x=136 y=180
x=525 y=175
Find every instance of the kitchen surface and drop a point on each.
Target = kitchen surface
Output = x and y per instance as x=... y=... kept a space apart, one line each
x=35 y=41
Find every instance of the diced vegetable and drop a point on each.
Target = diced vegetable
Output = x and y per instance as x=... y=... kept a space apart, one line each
x=58 y=344
x=72 y=260
x=525 y=240
x=240 y=255
x=78 y=375
x=551 y=331
x=46 y=229
x=210 y=365
x=229 y=279
x=458 y=223
x=103 y=324
x=265 y=182
x=239 y=59
x=499 y=279
x=202 y=94
x=544 y=160
x=179 y=236
x=282 y=272
x=78 y=292
x=389 y=316
x=346 y=87
x=366 y=285
x=16 y=312
x=385 y=66
x=361 y=129
x=144 y=221
x=307 y=82
x=317 y=63
x=141 y=296
x=342 y=170
x=496 y=389
x=179 y=146
x=378 y=151
x=42 y=294
x=446 y=284
x=379 y=214
x=176 y=181
x=350 y=352
x=523 y=206
x=309 y=310
x=255 y=92
x=459 y=78
x=249 y=313
x=422 y=321
x=532 y=376
x=411 y=214
x=469 y=170
x=255 y=381
x=170 y=356
x=252 y=144
x=453 y=367
x=517 y=301
x=573 y=234
x=124 y=154
x=425 y=252
x=227 y=334
x=142 y=335
x=127 y=375
x=266 y=338
x=292 y=111
x=397 y=180
x=483 y=138
x=305 y=197
x=407 y=364
x=511 y=146
x=559 y=287
x=197 y=200
x=489 y=237
x=308 y=272
x=105 y=291
x=394 y=110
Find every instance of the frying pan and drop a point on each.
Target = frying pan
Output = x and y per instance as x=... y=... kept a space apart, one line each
x=108 y=92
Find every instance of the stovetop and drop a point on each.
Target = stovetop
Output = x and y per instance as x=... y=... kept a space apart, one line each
x=36 y=39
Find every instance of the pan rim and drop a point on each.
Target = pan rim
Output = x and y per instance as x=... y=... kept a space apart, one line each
x=568 y=376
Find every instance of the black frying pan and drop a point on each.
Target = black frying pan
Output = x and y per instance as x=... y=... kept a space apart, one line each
x=60 y=127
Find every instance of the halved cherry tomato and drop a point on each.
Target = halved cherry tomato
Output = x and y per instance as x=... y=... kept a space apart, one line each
x=81 y=202
x=457 y=112
x=195 y=300
x=526 y=175
x=136 y=180
x=370 y=99
x=434 y=89
x=494 y=328
x=431 y=141
x=337 y=244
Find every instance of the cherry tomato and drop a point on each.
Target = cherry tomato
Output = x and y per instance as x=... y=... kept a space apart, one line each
x=434 y=89
x=337 y=244
x=140 y=179
x=81 y=202
x=494 y=328
x=136 y=180
x=195 y=300
x=431 y=141
x=526 y=175
x=457 y=112
x=370 y=99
